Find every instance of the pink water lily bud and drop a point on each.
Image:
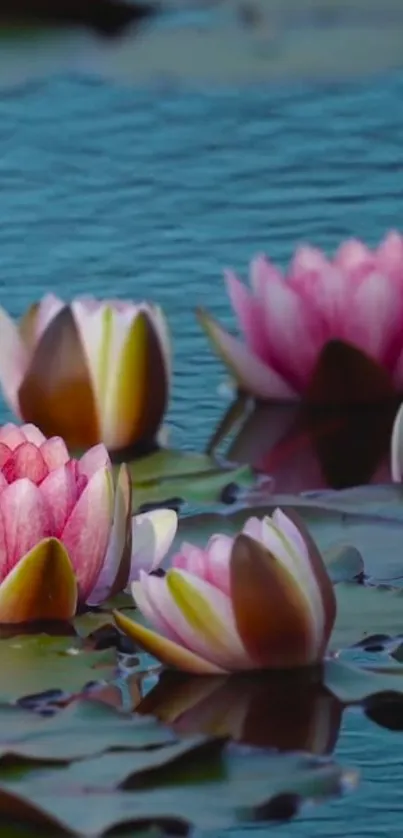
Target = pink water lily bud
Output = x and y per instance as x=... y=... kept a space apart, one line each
x=67 y=536
x=90 y=371
x=352 y=302
x=260 y=600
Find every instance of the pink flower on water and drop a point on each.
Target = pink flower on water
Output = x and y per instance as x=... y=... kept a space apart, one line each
x=286 y=321
x=67 y=536
x=90 y=371
x=261 y=600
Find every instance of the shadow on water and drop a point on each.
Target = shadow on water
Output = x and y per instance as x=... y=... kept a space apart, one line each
x=289 y=712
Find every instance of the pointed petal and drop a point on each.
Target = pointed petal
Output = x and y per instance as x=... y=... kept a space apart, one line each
x=26 y=461
x=41 y=586
x=218 y=562
x=115 y=571
x=251 y=374
x=27 y=327
x=396 y=453
x=97 y=457
x=12 y=435
x=26 y=518
x=249 y=314
x=153 y=534
x=61 y=494
x=271 y=614
x=55 y=453
x=146 y=594
x=32 y=434
x=87 y=531
x=13 y=360
x=48 y=307
x=322 y=577
x=165 y=650
x=206 y=620
x=139 y=393
x=5 y=455
x=56 y=392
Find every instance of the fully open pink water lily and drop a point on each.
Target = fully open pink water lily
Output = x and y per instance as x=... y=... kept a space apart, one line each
x=261 y=600
x=67 y=536
x=91 y=371
x=356 y=298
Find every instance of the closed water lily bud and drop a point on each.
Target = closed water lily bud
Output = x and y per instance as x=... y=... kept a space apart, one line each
x=351 y=304
x=67 y=536
x=262 y=600
x=90 y=372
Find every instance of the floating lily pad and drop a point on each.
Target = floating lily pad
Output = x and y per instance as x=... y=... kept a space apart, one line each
x=363 y=611
x=185 y=476
x=30 y=665
x=238 y=786
x=81 y=729
x=353 y=685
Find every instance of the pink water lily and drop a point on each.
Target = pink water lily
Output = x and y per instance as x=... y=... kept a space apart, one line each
x=90 y=371
x=261 y=600
x=286 y=321
x=67 y=536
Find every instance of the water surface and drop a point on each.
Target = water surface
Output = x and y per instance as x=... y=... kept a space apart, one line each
x=151 y=192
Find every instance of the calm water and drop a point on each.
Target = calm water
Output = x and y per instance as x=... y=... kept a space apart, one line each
x=145 y=193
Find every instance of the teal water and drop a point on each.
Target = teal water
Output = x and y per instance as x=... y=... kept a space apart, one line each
x=126 y=192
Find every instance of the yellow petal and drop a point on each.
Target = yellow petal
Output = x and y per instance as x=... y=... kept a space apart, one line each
x=271 y=612
x=165 y=650
x=42 y=586
x=56 y=393
x=138 y=396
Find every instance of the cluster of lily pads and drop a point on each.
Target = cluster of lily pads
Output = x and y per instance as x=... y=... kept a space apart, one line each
x=263 y=624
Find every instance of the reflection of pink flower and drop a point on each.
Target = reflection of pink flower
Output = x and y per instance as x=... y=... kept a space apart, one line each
x=91 y=371
x=261 y=600
x=66 y=534
x=357 y=297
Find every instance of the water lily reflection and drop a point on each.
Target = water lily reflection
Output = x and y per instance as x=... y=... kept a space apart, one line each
x=303 y=448
x=287 y=711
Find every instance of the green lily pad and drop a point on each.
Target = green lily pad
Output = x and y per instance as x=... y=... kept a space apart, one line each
x=186 y=476
x=363 y=611
x=35 y=663
x=82 y=729
x=354 y=685
x=238 y=787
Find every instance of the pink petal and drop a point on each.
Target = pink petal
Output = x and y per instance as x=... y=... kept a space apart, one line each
x=389 y=256
x=218 y=559
x=307 y=261
x=26 y=461
x=32 y=434
x=251 y=373
x=374 y=317
x=152 y=535
x=295 y=332
x=146 y=596
x=12 y=435
x=60 y=491
x=87 y=531
x=55 y=453
x=355 y=258
x=228 y=653
x=212 y=632
x=191 y=558
x=249 y=314
x=116 y=567
x=94 y=459
x=5 y=454
x=261 y=271
x=13 y=360
x=26 y=519
x=291 y=532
